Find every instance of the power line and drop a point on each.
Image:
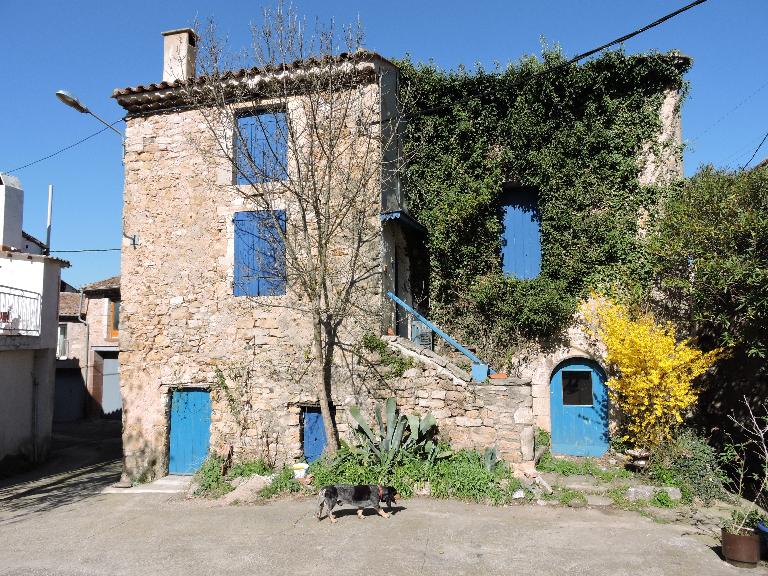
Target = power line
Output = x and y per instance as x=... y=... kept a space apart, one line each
x=65 y=148
x=562 y=65
x=756 y=151
x=86 y=249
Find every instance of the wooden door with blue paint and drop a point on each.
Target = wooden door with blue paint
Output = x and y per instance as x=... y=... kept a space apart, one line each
x=521 y=233
x=579 y=409
x=190 y=430
x=313 y=437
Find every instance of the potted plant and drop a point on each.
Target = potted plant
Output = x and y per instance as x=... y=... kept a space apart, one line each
x=740 y=540
x=741 y=545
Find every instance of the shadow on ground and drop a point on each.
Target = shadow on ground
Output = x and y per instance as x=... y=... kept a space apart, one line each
x=85 y=457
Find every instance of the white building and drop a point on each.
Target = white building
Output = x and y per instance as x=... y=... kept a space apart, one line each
x=29 y=302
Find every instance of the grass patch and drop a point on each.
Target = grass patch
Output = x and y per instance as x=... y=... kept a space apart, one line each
x=250 y=468
x=619 y=497
x=568 y=496
x=581 y=467
x=397 y=363
x=211 y=482
x=283 y=483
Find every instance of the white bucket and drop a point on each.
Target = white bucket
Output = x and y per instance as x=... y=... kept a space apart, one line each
x=300 y=470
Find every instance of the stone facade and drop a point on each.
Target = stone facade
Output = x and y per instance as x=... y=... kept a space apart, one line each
x=182 y=327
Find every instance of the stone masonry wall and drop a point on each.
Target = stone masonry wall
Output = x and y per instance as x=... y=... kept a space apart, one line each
x=181 y=326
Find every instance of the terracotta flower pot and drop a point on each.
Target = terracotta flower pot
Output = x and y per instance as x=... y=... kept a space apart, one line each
x=741 y=550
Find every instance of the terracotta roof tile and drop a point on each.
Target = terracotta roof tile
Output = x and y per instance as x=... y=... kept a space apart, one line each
x=106 y=284
x=162 y=95
x=69 y=304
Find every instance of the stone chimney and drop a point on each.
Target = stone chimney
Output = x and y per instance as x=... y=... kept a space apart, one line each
x=11 y=211
x=179 y=53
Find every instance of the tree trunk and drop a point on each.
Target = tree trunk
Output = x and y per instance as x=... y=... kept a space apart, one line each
x=324 y=387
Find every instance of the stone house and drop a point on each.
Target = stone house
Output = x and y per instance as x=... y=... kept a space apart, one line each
x=87 y=355
x=211 y=363
x=29 y=287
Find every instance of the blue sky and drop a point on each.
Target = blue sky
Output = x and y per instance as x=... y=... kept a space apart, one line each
x=90 y=47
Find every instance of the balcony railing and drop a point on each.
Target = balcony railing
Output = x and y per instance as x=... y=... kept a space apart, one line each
x=19 y=312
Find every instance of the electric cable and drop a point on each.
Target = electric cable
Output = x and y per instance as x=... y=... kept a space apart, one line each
x=560 y=66
x=63 y=149
x=756 y=151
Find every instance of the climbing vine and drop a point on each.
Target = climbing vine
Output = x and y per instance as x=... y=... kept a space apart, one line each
x=575 y=136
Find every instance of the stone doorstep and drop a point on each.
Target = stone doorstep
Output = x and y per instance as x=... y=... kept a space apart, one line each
x=172 y=484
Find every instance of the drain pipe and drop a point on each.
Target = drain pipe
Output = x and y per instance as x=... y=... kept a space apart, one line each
x=87 y=341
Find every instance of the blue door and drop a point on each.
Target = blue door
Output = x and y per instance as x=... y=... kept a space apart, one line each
x=190 y=430
x=313 y=438
x=579 y=409
x=521 y=236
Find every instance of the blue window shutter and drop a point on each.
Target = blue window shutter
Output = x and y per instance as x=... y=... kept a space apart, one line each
x=261 y=149
x=259 y=253
x=521 y=236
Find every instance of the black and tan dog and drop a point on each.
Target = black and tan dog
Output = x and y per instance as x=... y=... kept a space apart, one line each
x=362 y=496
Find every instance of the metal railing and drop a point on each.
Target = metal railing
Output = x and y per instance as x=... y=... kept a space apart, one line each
x=19 y=312
x=480 y=370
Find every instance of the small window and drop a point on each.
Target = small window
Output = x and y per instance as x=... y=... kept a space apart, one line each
x=62 y=345
x=113 y=319
x=261 y=151
x=521 y=233
x=577 y=388
x=259 y=253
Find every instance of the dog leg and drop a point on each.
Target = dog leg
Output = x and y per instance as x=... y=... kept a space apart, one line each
x=382 y=513
x=332 y=517
x=360 y=513
x=320 y=509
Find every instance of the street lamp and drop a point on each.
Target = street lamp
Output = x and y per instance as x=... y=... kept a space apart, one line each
x=73 y=102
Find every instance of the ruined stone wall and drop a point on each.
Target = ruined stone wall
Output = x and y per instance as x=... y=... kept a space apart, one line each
x=469 y=414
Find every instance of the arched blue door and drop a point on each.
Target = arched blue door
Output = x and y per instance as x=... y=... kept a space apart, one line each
x=579 y=409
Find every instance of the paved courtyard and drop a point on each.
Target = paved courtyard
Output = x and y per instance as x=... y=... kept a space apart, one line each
x=61 y=523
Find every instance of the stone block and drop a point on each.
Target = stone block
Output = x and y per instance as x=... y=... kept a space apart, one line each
x=412 y=373
x=439 y=394
x=523 y=415
x=540 y=391
x=527 y=443
x=468 y=422
x=541 y=406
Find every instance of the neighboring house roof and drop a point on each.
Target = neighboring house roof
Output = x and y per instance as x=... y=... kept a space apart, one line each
x=69 y=304
x=162 y=95
x=107 y=284
x=32 y=239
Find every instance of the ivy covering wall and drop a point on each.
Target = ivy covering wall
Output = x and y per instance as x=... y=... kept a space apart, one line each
x=575 y=135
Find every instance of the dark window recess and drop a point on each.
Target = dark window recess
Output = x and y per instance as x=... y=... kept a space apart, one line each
x=577 y=388
x=259 y=253
x=261 y=151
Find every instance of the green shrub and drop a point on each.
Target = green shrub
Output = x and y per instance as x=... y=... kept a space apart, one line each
x=661 y=499
x=210 y=480
x=397 y=363
x=689 y=463
x=461 y=475
x=250 y=468
x=283 y=483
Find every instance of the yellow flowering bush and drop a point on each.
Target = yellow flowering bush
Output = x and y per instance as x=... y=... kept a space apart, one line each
x=653 y=373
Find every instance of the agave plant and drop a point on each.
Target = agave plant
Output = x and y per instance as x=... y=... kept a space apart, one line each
x=396 y=432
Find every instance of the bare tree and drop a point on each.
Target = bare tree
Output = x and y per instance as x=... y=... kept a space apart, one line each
x=301 y=127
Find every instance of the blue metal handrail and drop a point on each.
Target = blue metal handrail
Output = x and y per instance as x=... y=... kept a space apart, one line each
x=475 y=360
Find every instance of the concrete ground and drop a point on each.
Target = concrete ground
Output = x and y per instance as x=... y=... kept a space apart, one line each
x=61 y=524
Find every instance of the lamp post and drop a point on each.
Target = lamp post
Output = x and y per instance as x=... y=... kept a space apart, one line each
x=73 y=102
